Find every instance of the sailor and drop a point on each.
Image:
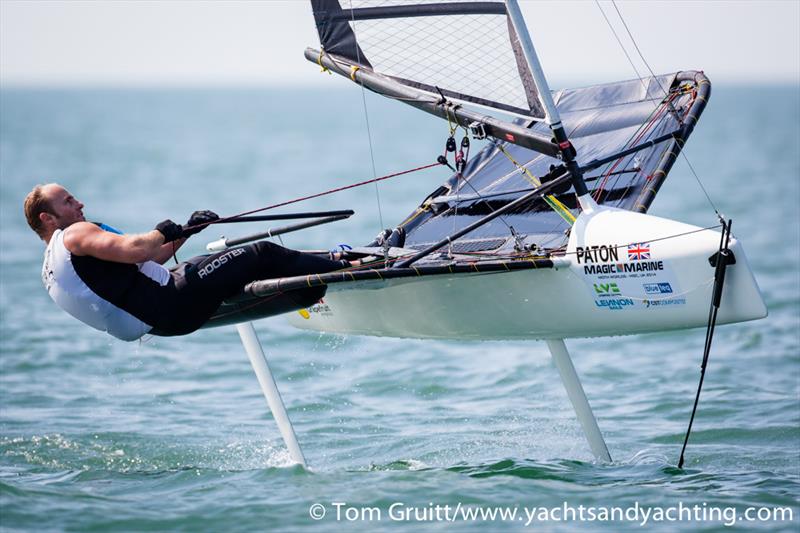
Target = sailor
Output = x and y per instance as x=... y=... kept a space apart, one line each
x=118 y=284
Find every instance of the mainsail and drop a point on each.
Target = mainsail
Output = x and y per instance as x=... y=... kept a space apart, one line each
x=464 y=50
x=454 y=59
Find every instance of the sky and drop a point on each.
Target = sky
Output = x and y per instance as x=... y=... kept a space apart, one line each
x=261 y=43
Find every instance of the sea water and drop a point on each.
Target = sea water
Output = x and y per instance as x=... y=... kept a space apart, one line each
x=174 y=434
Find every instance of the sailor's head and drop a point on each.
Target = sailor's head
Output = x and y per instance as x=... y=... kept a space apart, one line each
x=50 y=207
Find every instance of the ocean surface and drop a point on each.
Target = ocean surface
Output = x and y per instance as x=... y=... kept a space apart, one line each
x=174 y=434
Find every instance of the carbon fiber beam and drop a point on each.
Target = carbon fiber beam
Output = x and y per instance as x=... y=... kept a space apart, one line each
x=434 y=105
x=269 y=287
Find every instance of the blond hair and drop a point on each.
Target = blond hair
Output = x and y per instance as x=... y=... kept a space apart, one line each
x=35 y=204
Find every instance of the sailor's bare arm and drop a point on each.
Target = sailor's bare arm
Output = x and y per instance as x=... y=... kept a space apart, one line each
x=85 y=238
x=167 y=250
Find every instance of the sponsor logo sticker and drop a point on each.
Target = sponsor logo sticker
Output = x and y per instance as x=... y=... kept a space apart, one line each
x=319 y=308
x=614 y=304
x=622 y=268
x=657 y=288
x=606 y=289
x=626 y=276
x=662 y=303
x=219 y=262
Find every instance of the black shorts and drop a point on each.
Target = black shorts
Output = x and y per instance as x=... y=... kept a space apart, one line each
x=198 y=286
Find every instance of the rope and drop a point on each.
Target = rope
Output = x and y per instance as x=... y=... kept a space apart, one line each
x=551 y=199
x=317 y=195
x=638 y=51
x=616 y=36
x=700 y=183
x=501 y=218
x=366 y=118
x=613 y=3
x=676 y=235
x=322 y=67
x=635 y=138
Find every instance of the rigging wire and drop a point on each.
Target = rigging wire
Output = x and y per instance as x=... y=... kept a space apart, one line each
x=482 y=198
x=616 y=36
x=366 y=119
x=700 y=183
x=460 y=178
x=501 y=218
x=636 y=46
x=637 y=136
x=638 y=50
x=459 y=174
x=550 y=199
x=641 y=56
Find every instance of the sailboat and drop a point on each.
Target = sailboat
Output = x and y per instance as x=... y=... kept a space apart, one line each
x=545 y=232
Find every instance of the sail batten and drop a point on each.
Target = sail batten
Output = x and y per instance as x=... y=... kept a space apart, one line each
x=421 y=10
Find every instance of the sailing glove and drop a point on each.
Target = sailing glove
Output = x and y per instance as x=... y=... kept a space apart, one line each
x=170 y=230
x=201 y=219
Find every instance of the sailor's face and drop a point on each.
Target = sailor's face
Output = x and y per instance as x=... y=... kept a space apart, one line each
x=66 y=209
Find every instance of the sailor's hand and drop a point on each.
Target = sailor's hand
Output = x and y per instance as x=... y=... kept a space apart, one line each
x=170 y=230
x=198 y=222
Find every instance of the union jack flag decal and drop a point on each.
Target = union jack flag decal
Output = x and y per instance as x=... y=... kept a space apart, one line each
x=638 y=251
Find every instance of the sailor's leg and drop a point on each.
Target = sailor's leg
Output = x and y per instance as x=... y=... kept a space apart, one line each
x=577 y=396
x=278 y=262
x=227 y=272
x=202 y=283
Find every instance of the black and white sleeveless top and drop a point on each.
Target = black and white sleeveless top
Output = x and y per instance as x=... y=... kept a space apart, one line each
x=114 y=297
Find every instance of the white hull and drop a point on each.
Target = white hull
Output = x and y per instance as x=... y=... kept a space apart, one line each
x=588 y=294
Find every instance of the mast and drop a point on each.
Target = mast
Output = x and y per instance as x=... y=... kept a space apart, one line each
x=551 y=113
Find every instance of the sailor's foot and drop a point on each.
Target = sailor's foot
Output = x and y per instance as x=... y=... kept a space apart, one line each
x=364 y=261
x=343 y=257
x=380 y=238
x=397 y=238
x=390 y=238
x=338 y=255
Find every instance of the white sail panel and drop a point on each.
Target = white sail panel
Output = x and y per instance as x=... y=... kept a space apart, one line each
x=471 y=56
x=468 y=50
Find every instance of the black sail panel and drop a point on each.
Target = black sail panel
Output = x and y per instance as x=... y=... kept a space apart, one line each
x=335 y=34
x=601 y=121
